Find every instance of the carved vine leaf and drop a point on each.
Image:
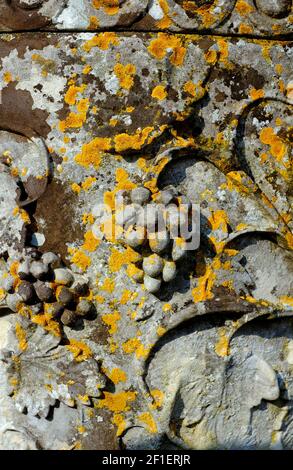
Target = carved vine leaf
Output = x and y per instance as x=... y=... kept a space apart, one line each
x=40 y=371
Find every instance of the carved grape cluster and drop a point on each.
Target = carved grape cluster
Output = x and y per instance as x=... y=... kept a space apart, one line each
x=152 y=226
x=43 y=284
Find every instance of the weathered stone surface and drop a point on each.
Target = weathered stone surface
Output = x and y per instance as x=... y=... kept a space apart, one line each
x=188 y=349
x=245 y=17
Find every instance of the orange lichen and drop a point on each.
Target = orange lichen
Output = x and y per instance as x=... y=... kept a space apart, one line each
x=222 y=348
x=223 y=46
x=87 y=69
x=256 y=94
x=166 y=21
x=111 y=7
x=119 y=421
x=278 y=148
x=158 y=48
x=75 y=120
x=245 y=29
x=90 y=243
x=72 y=92
x=205 y=283
x=243 y=8
x=117 y=402
x=88 y=183
x=102 y=41
x=111 y=320
x=7 y=77
x=117 y=375
x=45 y=320
x=136 y=141
x=134 y=345
x=80 y=259
x=158 y=397
x=159 y=92
x=161 y=331
x=94 y=23
x=149 y=421
x=81 y=351
x=125 y=75
x=219 y=220
x=91 y=153
x=21 y=336
x=211 y=56
x=108 y=285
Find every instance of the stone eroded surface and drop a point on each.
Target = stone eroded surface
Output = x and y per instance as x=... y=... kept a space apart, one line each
x=200 y=357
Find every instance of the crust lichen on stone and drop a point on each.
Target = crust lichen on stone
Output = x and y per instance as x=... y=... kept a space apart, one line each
x=115 y=115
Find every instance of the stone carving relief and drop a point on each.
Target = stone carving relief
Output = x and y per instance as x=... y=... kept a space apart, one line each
x=127 y=341
x=245 y=17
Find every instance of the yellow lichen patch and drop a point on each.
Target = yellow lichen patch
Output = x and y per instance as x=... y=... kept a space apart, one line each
x=117 y=402
x=94 y=23
x=91 y=153
x=159 y=92
x=81 y=351
x=278 y=148
x=111 y=320
x=118 y=259
x=245 y=29
x=256 y=94
x=80 y=259
x=7 y=77
x=238 y=181
x=2 y=294
x=108 y=285
x=134 y=345
x=205 y=11
x=166 y=21
x=158 y=397
x=81 y=429
x=167 y=308
x=87 y=69
x=219 y=220
x=205 y=283
x=266 y=48
x=117 y=375
x=241 y=227
x=119 y=421
x=125 y=75
x=102 y=41
x=138 y=140
x=45 y=320
x=243 y=8
x=87 y=218
x=21 y=336
x=22 y=214
x=75 y=120
x=222 y=346
x=149 y=421
x=111 y=7
x=158 y=48
x=211 y=56
x=72 y=92
x=161 y=331
x=279 y=69
x=88 y=183
x=224 y=51
x=287 y=300
x=90 y=243
x=126 y=296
